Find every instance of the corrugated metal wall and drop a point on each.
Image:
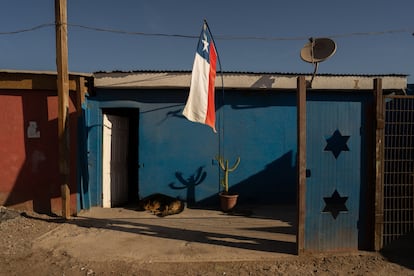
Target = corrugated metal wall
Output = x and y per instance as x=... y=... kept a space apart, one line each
x=335 y=186
x=177 y=157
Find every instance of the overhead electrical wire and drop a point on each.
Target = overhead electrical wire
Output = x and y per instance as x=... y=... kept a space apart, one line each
x=130 y=33
x=220 y=37
x=41 y=26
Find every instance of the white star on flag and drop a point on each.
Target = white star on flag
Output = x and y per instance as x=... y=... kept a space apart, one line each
x=205 y=42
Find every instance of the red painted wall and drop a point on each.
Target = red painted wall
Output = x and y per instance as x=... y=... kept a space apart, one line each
x=29 y=174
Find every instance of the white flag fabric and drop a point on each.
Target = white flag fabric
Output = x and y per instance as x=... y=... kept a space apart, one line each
x=200 y=106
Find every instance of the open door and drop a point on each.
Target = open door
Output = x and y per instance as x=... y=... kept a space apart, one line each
x=115 y=160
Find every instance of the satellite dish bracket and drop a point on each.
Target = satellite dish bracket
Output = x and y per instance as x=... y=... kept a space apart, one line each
x=314 y=74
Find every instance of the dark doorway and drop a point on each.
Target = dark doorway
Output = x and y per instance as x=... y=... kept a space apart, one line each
x=131 y=117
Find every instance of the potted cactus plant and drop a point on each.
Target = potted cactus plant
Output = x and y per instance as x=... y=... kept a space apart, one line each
x=227 y=200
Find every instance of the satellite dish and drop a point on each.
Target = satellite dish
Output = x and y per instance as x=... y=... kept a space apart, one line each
x=317 y=50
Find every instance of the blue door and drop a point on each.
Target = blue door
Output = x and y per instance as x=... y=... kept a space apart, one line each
x=333 y=181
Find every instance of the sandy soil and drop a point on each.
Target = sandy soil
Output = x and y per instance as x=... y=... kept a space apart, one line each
x=30 y=245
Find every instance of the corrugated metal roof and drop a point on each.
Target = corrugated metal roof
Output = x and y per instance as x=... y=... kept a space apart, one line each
x=250 y=73
x=147 y=79
x=245 y=80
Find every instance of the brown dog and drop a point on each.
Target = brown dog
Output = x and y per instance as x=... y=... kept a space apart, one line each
x=161 y=205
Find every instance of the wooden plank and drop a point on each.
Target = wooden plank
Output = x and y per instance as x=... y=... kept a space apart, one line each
x=379 y=159
x=80 y=94
x=301 y=167
x=27 y=81
x=368 y=150
x=79 y=100
x=63 y=103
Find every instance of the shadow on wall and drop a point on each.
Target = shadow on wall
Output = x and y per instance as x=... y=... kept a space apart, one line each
x=189 y=184
x=82 y=176
x=275 y=184
x=37 y=184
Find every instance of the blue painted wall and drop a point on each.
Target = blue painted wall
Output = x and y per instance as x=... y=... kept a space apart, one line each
x=175 y=154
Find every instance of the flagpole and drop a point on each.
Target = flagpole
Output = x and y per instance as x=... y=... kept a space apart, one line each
x=221 y=121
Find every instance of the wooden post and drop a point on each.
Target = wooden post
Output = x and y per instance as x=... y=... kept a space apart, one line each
x=379 y=147
x=80 y=95
x=63 y=102
x=301 y=163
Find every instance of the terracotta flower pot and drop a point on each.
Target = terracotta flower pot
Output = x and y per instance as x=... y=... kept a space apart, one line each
x=227 y=201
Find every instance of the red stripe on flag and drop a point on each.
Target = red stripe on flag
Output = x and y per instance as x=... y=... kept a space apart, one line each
x=211 y=109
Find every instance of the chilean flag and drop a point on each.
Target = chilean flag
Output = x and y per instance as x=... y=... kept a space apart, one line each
x=200 y=105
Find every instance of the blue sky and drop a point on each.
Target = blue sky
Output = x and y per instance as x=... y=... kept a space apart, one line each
x=90 y=51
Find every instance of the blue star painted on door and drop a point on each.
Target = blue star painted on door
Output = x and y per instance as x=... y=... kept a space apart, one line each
x=336 y=143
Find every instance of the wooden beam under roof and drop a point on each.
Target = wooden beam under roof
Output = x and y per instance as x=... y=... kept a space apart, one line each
x=39 y=81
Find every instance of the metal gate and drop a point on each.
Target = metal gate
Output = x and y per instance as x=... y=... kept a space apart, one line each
x=398 y=189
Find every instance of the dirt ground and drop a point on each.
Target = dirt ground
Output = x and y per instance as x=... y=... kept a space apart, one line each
x=126 y=242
